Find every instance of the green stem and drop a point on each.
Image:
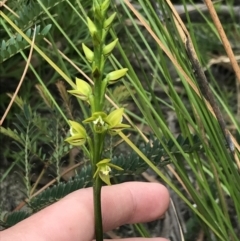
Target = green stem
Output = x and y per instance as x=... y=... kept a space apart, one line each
x=97 y=78
x=97 y=208
x=97 y=68
x=98 y=141
x=98 y=147
x=97 y=94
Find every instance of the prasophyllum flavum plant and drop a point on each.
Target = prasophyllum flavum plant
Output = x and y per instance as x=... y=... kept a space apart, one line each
x=103 y=124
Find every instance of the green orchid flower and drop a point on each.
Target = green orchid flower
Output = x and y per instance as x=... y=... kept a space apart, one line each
x=98 y=119
x=111 y=123
x=78 y=134
x=104 y=168
x=83 y=90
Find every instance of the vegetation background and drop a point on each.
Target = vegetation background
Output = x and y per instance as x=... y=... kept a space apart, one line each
x=177 y=139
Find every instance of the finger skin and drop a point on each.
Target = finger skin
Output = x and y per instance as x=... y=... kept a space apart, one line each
x=72 y=218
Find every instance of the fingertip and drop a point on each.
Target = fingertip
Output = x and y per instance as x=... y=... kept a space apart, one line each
x=156 y=199
x=133 y=202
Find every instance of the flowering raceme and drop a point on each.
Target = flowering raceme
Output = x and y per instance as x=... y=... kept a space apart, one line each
x=101 y=123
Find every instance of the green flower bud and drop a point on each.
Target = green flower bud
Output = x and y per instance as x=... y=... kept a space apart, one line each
x=109 y=20
x=104 y=6
x=112 y=77
x=97 y=10
x=97 y=2
x=108 y=48
x=83 y=90
x=88 y=53
x=91 y=26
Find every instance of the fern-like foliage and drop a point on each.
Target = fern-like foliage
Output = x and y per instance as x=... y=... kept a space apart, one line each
x=60 y=190
x=29 y=14
x=16 y=43
x=154 y=151
x=10 y=133
x=13 y=218
x=41 y=130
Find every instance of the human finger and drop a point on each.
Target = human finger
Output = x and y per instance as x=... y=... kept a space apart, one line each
x=72 y=218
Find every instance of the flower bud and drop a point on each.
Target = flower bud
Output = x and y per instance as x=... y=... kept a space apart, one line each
x=88 y=53
x=108 y=48
x=104 y=6
x=91 y=26
x=113 y=76
x=109 y=20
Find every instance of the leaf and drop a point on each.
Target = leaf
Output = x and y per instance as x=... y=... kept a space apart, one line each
x=19 y=37
x=13 y=218
x=3 y=47
x=46 y=29
x=59 y=191
x=11 y=134
x=28 y=33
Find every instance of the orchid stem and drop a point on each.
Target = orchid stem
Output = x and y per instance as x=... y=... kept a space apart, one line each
x=97 y=208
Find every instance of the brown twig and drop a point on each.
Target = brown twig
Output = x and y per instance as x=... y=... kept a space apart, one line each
x=2 y=3
x=39 y=178
x=21 y=80
x=223 y=37
x=203 y=85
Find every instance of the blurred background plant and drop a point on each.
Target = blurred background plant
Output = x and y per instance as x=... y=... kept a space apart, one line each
x=160 y=95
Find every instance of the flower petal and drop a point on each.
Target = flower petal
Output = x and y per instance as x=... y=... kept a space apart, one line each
x=115 y=117
x=82 y=91
x=77 y=128
x=95 y=116
x=102 y=162
x=105 y=178
x=115 y=167
x=76 y=140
